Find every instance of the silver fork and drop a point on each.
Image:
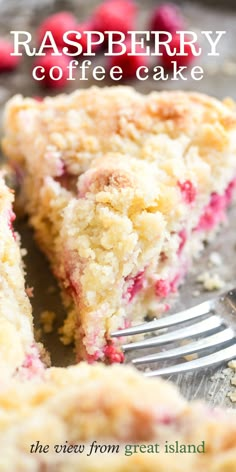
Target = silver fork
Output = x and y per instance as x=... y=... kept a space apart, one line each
x=217 y=315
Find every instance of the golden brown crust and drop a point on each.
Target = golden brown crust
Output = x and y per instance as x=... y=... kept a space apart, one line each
x=88 y=123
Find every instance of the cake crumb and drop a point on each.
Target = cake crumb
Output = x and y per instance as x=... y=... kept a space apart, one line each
x=47 y=319
x=215 y=259
x=66 y=331
x=23 y=252
x=196 y=293
x=211 y=281
x=193 y=355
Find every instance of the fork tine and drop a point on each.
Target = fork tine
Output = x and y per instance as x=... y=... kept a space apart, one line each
x=205 y=343
x=206 y=361
x=197 y=328
x=186 y=315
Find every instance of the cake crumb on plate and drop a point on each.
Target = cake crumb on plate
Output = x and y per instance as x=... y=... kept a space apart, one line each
x=211 y=281
x=215 y=259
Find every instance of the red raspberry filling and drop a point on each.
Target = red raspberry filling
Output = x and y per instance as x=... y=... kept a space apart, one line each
x=175 y=282
x=113 y=354
x=215 y=211
x=136 y=284
x=10 y=219
x=91 y=358
x=230 y=191
x=7 y=62
x=162 y=288
x=71 y=286
x=183 y=239
x=32 y=363
x=188 y=190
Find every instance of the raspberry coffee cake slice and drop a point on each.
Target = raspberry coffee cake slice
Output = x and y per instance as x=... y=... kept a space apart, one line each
x=110 y=418
x=18 y=351
x=122 y=190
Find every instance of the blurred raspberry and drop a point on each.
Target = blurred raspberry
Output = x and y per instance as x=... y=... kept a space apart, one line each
x=180 y=60
x=167 y=17
x=86 y=26
x=7 y=62
x=47 y=62
x=115 y=15
x=129 y=64
x=188 y=190
x=58 y=24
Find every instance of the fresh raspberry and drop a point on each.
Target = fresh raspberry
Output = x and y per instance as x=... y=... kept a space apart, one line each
x=167 y=17
x=188 y=190
x=47 y=62
x=115 y=15
x=86 y=26
x=58 y=24
x=7 y=62
x=129 y=64
x=166 y=60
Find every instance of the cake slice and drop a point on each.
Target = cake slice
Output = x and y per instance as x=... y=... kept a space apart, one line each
x=122 y=190
x=18 y=350
x=98 y=418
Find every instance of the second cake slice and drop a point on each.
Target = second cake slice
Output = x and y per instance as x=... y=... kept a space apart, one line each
x=19 y=354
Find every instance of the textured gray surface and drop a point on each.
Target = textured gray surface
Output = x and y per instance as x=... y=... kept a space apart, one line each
x=219 y=80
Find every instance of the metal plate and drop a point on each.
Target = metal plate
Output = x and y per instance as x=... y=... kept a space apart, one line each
x=219 y=80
